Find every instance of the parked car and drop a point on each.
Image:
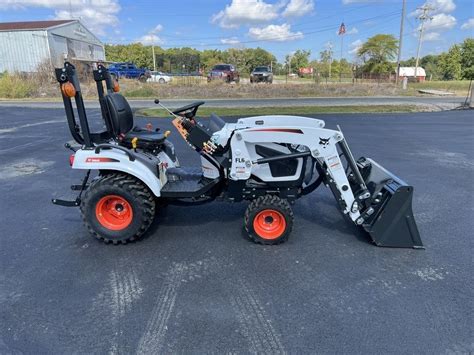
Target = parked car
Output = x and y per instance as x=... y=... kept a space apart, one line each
x=129 y=71
x=158 y=77
x=226 y=72
x=261 y=74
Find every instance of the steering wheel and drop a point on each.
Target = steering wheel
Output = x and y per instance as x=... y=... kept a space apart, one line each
x=189 y=111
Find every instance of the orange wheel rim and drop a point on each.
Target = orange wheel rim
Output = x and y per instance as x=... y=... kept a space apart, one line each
x=269 y=224
x=114 y=212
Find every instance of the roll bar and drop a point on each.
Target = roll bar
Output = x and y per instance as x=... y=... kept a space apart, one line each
x=81 y=132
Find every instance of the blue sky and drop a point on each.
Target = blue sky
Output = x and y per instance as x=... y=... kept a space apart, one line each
x=280 y=26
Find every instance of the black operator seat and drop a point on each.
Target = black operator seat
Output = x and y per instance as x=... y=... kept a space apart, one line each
x=121 y=117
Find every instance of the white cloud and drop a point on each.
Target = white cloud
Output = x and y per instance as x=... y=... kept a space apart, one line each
x=346 y=2
x=278 y=33
x=468 y=24
x=431 y=36
x=231 y=41
x=352 y=31
x=152 y=36
x=440 y=22
x=97 y=15
x=437 y=7
x=355 y=46
x=150 y=39
x=241 y=12
x=296 y=8
x=158 y=28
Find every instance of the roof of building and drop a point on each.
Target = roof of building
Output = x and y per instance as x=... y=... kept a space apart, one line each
x=410 y=71
x=32 y=25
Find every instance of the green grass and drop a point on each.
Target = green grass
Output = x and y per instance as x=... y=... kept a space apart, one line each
x=459 y=87
x=296 y=110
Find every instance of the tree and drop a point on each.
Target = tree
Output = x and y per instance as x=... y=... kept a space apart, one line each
x=377 y=53
x=135 y=52
x=450 y=63
x=299 y=59
x=326 y=62
x=467 y=58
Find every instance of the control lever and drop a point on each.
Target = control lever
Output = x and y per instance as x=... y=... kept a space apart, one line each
x=157 y=102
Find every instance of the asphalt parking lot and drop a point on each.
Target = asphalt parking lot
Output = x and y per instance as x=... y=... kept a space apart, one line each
x=195 y=284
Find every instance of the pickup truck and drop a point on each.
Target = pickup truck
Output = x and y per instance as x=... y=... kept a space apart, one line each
x=226 y=72
x=129 y=71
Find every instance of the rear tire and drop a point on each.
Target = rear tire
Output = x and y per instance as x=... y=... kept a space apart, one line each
x=161 y=81
x=117 y=208
x=269 y=220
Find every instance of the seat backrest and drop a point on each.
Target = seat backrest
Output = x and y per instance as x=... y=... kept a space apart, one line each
x=215 y=123
x=120 y=113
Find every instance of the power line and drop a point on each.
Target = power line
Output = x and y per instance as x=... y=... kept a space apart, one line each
x=294 y=36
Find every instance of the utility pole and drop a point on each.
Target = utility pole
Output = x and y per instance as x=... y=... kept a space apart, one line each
x=423 y=17
x=154 y=59
x=400 y=41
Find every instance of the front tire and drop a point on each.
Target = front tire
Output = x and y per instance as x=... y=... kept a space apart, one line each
x=269 y=220
x=117 y=208
x=161 y=81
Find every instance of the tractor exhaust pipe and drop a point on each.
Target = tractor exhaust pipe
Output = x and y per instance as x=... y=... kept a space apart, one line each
x=389 y=218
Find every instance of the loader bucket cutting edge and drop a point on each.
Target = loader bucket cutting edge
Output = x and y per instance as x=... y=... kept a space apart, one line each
x=392 y=223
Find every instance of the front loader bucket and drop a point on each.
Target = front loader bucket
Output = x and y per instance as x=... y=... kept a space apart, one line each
x=392 y=223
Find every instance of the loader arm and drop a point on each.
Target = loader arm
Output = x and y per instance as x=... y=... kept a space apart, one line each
x=321 y=144
x=371 y=196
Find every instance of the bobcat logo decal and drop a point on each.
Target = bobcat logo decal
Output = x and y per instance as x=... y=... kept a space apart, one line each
x=324 y=142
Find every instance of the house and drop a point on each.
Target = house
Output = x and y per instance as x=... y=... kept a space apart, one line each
x=26 y=46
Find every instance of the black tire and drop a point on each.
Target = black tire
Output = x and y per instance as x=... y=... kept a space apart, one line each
x=273 y=208
x=161 y=81
x=142 y=78
x=135 y=196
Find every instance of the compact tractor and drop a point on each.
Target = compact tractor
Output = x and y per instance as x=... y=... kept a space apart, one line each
x=267 y=161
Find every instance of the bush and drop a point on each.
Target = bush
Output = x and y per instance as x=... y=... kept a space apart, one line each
x=140 y=92
x=15 y=86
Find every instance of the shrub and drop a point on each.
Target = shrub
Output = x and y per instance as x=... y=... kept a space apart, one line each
x=15 y=86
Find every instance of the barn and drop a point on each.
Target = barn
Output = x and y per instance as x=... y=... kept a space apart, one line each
x=409 y=72
x=26 y=46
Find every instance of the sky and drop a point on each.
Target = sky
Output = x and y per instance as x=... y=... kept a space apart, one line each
x=280 y=26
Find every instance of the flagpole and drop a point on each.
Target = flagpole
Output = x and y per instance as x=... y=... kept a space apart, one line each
x=341 y=32
x=340 y=60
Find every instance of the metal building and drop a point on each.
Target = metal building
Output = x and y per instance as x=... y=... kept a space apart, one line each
x=25 y=46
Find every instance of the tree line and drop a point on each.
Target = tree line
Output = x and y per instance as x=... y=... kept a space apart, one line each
x=376 y=56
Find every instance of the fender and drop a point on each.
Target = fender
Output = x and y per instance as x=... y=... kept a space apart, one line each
x=115 y=160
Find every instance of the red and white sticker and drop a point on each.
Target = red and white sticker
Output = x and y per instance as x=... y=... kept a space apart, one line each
x=101 y=160
x=334 y=163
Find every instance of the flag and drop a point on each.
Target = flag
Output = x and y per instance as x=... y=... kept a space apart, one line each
x=342 y=29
